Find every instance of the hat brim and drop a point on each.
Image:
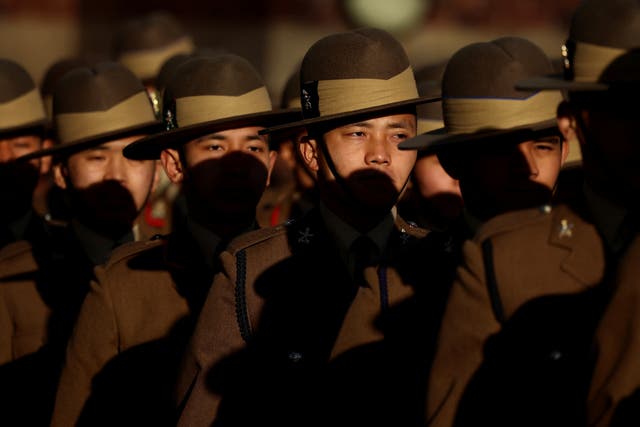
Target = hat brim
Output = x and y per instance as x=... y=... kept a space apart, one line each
x=149 y=148
x=438 y=139
x=348 y=114
x=38 y=126
x=557 y=82
x=64 y=150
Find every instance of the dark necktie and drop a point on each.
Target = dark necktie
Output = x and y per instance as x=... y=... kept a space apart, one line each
x=362 y=253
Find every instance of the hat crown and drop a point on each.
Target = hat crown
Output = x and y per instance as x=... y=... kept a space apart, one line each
x=151 y=31
x=491 y=69
x=221 y=75
x=366 y=53
x=613 y=23
x=14 y=81
x=98 y=88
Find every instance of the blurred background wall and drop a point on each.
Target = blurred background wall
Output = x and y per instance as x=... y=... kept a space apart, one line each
x=275 y=34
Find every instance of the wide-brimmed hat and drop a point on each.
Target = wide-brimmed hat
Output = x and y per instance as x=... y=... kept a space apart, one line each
x=353 y=74
x=98 y=104
x=209 y=94
x=429 y=81
x=21 y=106
x=479 y=99
x=601 y=31
x=144 y=43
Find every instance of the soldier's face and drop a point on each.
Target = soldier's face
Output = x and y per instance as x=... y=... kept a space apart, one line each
x=507 y=177
x=105 y=185
x=367 y=159
x=610 y=143
x=226 y=172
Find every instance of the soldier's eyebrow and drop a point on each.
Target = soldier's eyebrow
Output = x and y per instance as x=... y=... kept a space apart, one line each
x=402 y=124
x=214 y=136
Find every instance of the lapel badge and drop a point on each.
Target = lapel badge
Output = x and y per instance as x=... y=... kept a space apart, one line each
x=305 y=236
x=566 y=228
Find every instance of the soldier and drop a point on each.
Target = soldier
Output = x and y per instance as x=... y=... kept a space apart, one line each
x=143 y=44
x=603 y=83
x=292 y=189
x=433 y=199
x=97 y=112
x=518 y=328
x=22 y=131
x=505 y=148
x=305 y=321
x=135 y=320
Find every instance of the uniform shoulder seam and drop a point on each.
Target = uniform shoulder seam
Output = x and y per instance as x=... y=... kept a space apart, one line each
x=513 y=221
x=131 y=249
x=255 y=237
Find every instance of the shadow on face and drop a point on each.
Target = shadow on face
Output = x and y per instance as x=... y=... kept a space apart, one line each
x=223 y=188
x=106 y=207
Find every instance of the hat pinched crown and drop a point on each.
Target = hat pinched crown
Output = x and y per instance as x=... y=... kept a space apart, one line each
x=143 y=44
x=479 y=99
x=92 y=105
x=21 y=106
x=208 y=94
x=353 y=73
x=601 y=31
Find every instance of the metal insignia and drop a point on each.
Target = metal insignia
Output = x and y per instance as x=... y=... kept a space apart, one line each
x=306 y=100
x=404 y=236
x=566 y=228
x=305 y=236
x=169 y=120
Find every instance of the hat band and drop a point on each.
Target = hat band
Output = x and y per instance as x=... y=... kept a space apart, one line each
x=147 y=64
x=590 y=60
x=192 y=110
x=22 y=110
x=427 y=125
x=469 y=115
x=135 y=110
x=346 y=95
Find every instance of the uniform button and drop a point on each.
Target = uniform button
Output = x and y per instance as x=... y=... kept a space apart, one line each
x=555 y=355
x=294 y=356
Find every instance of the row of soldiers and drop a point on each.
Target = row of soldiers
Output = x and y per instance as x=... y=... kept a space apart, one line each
x=365 y=306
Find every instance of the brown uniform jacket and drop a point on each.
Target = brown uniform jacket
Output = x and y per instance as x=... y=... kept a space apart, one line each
x=285 y=336
x=505 y=327
x=614 y=395
x=42 y=285
x=133 y=324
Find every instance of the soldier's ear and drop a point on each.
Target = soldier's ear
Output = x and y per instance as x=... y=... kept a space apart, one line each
x=172 y=164
x=566 y=122
x=308 y=148
x=60 y=175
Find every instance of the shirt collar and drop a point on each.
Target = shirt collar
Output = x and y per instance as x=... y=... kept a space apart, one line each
x=344 y=234
x=206 y=240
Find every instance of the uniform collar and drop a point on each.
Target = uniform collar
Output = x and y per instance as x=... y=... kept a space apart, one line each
x=608 y=218
x=96 y=246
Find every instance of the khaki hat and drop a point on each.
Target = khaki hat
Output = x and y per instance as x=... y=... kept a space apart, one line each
x=354 y=73
x=21 y=107
x=601 y=32
x=53 y=74
x=98 y=104
x=143 y=44
x=429 y=81
x=479 y=99
x=209 y=94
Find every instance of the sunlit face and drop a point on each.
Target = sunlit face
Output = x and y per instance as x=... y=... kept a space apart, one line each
x=226 y=172
x=507 y=177
x=367 y=160
x=431 y=179
x=106 y=186
x=12 y=148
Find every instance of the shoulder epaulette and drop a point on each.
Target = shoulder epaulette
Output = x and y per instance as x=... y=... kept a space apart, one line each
x=255 y=237
x=514 y=220
x=411 y=228
x=128 y=250
x=16 y=258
